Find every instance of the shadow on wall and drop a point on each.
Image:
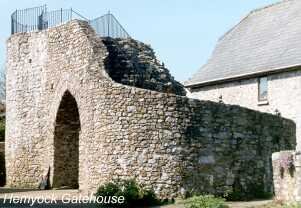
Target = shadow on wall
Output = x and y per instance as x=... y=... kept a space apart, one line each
x=2 y=146
x=134 y=63
x=2 y=165
x=234 y=149
x=66 y=144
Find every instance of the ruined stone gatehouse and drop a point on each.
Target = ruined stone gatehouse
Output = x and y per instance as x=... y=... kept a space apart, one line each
x=92 y=109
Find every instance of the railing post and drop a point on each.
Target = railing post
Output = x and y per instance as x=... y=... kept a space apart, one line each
x=12 y=25
x=16 y=21
x=109 y=24
x=61 y=15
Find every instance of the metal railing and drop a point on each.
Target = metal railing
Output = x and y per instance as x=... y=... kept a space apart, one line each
x=108 y=26
x=28 y=19
x=38 y=18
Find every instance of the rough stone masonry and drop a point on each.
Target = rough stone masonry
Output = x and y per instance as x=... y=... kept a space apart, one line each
x=92 y=109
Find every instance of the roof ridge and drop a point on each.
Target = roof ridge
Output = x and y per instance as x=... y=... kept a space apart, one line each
x=232 y=28
x=250 y=13
x=269 y=6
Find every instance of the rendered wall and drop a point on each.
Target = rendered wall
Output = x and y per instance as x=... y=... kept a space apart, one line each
x=169 y=142
x=284 y=94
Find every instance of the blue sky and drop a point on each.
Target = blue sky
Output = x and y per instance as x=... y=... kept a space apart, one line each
x=182 y=32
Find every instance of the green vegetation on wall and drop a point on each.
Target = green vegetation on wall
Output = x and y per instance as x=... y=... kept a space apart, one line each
x=2 y=129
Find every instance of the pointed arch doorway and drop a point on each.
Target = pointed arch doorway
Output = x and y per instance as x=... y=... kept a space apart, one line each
x=66 y=144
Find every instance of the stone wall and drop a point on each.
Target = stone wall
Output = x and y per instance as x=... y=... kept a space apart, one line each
x=171 y=143
x=284 y=95
x=131 y=62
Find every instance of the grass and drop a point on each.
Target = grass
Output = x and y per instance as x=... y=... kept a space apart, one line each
x=206 y=201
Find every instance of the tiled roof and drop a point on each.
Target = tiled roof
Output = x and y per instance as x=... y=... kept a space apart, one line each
x=267 y=39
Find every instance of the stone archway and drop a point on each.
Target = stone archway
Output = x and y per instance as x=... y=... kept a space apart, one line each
x=66 y=144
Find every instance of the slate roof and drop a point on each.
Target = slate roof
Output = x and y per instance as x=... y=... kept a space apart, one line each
x=266 y=40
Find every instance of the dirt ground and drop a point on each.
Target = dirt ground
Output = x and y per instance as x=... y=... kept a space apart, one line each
x=252 y=204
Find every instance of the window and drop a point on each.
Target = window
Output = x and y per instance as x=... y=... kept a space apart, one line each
x=263 y=89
